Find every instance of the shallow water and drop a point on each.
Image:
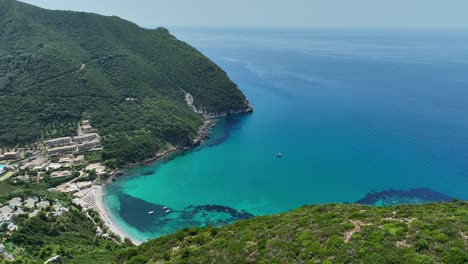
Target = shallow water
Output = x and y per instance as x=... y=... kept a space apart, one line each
x=351 y=111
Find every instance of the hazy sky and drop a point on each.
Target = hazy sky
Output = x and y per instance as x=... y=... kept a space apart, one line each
x=277 y=13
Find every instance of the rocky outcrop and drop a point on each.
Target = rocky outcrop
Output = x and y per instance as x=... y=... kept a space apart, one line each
x=209 y=114
x=54 y=260
x=203 y=133
x=185 y=144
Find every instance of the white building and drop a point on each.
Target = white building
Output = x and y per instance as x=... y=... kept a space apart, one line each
x=57 y=142
x=85 y=138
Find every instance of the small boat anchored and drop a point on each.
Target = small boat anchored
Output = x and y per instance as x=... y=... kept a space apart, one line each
x=279 y=155
x=168 y=211
x=164 y=208
x=151 y=212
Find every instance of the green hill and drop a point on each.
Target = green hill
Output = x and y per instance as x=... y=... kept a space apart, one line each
x=57 y=67
x=335 y=233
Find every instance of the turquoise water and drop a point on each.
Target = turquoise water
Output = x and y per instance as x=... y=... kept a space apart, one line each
x=351 y=111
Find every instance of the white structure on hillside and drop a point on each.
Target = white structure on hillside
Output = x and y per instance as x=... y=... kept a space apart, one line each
x=85 y=140
x=57 y=142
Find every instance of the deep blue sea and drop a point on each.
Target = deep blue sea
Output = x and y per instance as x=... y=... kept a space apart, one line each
x=352 y=111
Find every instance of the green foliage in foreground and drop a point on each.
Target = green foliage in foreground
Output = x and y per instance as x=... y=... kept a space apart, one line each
x=57 y=67
x=431 y=233
x=334 y=233
x=72 y=235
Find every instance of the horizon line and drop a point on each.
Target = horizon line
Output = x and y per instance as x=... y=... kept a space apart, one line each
x=302 y=27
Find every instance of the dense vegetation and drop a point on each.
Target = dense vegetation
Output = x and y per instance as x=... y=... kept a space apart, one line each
x=72 y=235
x=57 y=67
x=335 y=233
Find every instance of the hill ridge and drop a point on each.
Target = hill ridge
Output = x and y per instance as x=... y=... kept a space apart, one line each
x=328 y=233
x=41 y=86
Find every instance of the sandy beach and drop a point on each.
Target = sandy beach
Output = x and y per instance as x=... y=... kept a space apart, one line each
x=93 y=197
x=96 y=192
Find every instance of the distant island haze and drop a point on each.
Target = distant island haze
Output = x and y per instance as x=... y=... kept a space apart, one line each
x=233 y=132
x=398 y=14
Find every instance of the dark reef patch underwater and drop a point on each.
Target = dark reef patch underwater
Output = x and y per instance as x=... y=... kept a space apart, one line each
x=394 y=197
x=352 y=111
x=231 y=123
x=136 y=212
x=148 y=217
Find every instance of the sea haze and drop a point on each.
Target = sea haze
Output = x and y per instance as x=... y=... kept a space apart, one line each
x=352 y=111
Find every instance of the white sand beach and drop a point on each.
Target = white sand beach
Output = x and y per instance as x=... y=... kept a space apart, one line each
x=96 y=193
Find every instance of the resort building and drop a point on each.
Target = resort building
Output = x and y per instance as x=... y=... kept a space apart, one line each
x=74 y=187
x=87 y=129
x=84 y=141
x=98 y=167
x=89 y=145
x=72 y=160
x=10 y=155
x=85 y=138
x=78 y=160
x=56 y=166
x=57 y=142
x=65 y=160
x=36 y=164
x=62 y=150
x=58 y=174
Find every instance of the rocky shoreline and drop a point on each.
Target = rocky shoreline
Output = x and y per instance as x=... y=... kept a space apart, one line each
x=202 y=135
x=209 y=115
x=249 y=109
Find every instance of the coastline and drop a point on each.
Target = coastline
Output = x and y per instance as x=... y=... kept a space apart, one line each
x=98 y=190
x=104 y=213
x=202 y=135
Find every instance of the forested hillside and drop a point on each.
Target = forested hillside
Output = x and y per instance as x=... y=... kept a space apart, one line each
x=335 y=233
x=57 y=67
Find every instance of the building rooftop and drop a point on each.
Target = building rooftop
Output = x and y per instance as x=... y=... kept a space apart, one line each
x=30 y=202
x=57 y=174
x=79 y=158
x=53 y=166
x=6 y=210
x=84 y=184
x=43 y=204
x=58 y=139
x=15 y=202
x=39 y=161
x=86 y=135
x=64 y=147
x=65 y=159
x=96 y=166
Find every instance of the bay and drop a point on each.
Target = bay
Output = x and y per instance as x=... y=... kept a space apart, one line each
x=352 y=111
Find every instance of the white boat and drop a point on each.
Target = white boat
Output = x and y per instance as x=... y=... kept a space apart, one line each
x=151 y=212
x=164 y=208
x=279 y=154
x=168 y=211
